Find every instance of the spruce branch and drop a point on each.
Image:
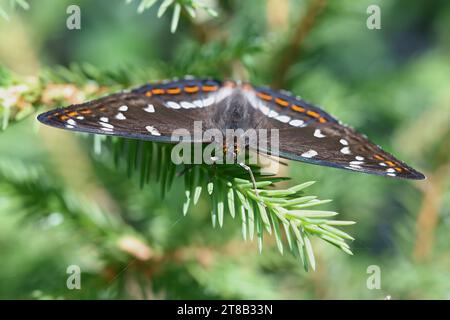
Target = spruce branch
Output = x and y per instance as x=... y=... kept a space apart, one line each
x=11 y=6
x=17 y=96
x=287 y=214
x=188 y=6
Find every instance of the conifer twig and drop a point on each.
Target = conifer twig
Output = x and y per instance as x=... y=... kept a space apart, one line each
x=300 y=32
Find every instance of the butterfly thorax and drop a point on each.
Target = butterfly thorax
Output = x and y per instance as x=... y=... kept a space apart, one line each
x=234 y=112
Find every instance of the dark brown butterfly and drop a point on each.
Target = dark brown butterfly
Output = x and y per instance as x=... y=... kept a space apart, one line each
x=306 y=133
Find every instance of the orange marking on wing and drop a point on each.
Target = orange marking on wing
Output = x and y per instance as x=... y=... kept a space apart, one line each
x=281 y=102
x=398 y=169
x=264 y=96
x=322 y=120
x=72 y=114
x=148 y=93
x=390 y=163
x=63 y=117
x=298 y=109
x=158 y=91
x=378 y=157
x=191 y=89
x=173 y=91
x=209 y=88
x=313 y=114
x=86 y=111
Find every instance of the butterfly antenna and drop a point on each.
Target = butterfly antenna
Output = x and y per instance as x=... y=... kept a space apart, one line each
x=252 y=177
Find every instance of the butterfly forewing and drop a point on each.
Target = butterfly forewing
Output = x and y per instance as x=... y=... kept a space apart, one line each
x=309 y=134
x=151 y=112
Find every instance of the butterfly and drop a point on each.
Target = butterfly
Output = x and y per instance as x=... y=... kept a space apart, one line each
x=306 y=132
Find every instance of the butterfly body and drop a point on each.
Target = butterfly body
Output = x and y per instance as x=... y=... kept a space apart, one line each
x=306 y=133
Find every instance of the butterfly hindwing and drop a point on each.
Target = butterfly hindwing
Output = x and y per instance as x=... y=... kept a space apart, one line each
x=309 y=134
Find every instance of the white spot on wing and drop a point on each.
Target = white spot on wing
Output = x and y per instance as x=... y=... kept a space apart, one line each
x=120 y=116
x=272 y=114
x=71 y=122
x=283 y=118
x=391 y=170
x=344 y=142
x=198 y=103
x=318 y=134
x=359 y=158
x=173 y=105
x=208 y=101
x=150 y=108
x=309 y=154
x=296 y=123
x=80 y=117
x=153 y=131
x=356 y=162
x=106 y=125
x=69 y=126
x=104 y=119
x=107 y=129
x=264 y=109
x=123 y=108
x=187 y=105
x=391 y=174
x=345 y=150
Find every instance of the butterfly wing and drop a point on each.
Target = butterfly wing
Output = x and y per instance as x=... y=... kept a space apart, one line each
x=309 y=134
x=151 y=112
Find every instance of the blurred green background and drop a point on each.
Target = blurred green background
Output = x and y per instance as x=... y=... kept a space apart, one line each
x=61 y=206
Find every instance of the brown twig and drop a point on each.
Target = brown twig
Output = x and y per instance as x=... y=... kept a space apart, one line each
x=302 y=29
x=429 y=213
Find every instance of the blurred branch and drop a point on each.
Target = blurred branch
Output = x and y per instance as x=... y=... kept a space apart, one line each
x=430 y=144
x=427 y=219
x=292 y=49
